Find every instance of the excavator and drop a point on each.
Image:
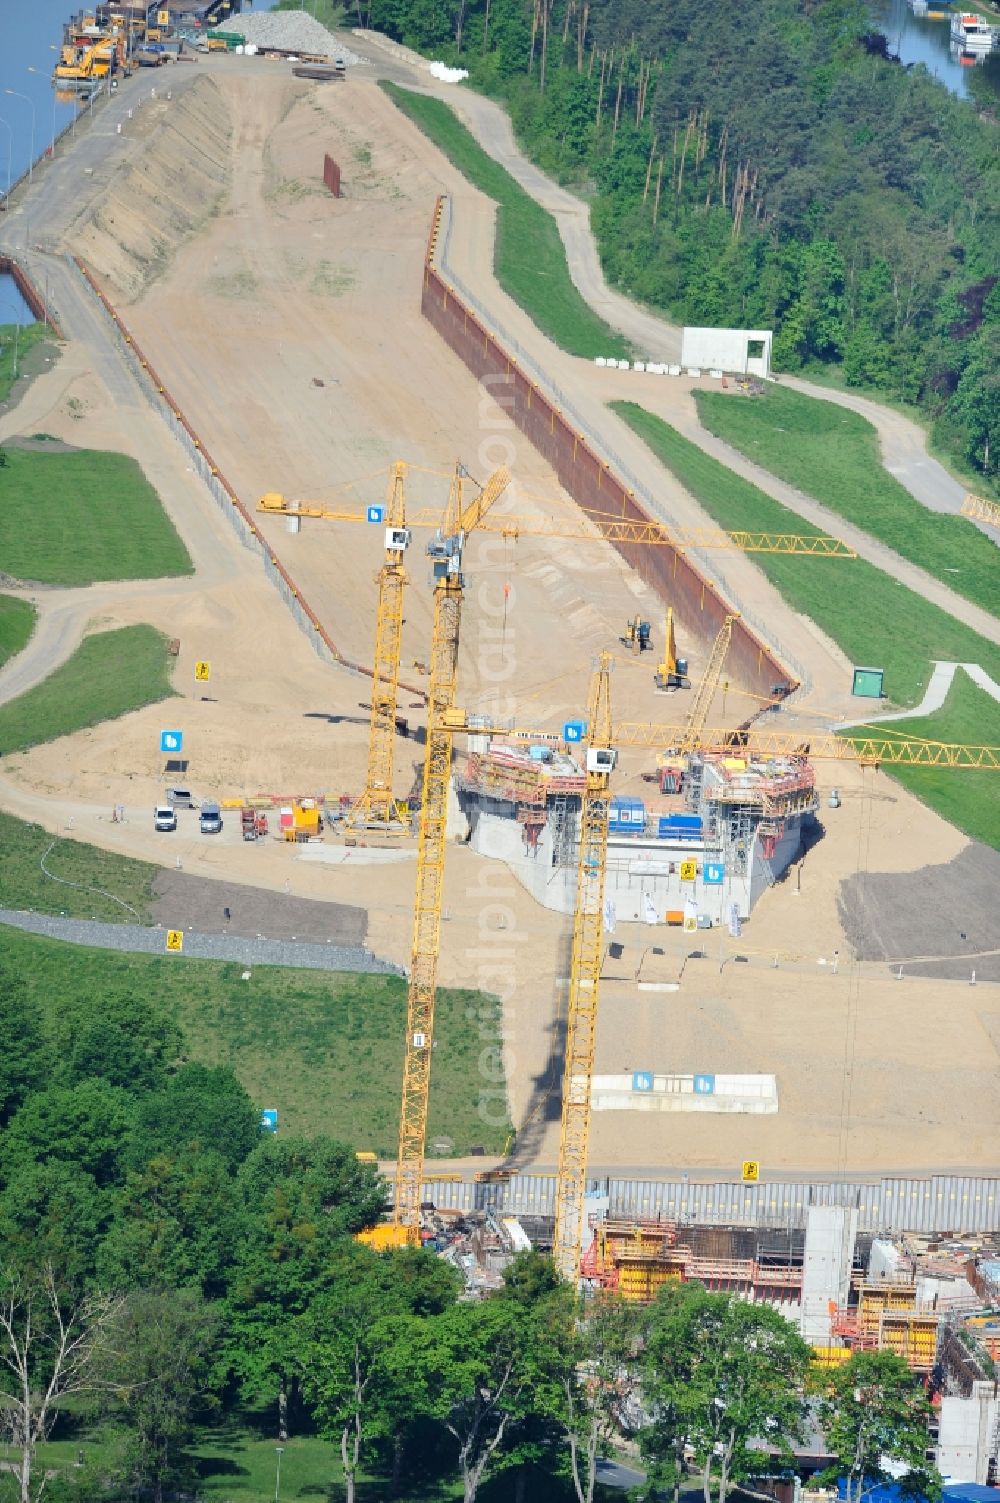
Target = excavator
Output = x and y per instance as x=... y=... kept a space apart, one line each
x=671 y=673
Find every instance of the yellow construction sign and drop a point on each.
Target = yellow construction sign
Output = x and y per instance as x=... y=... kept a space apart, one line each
x=689 y=870
x=175 y=940
x=203 y=672
x=751 y=1171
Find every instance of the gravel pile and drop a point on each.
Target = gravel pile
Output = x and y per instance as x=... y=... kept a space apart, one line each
x=289 y=31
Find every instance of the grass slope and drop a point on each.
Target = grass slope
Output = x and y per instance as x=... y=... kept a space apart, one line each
x=871 y=617
x=325 y=1048
x=967 y=798
x=26 y=339
x=17 y=622
x=833 y=455
x=108 y=675
x=87 y=874
x=71 y=519
x=529 y=258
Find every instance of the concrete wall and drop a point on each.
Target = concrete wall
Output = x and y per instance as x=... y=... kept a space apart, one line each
x=592 y=483
x=831 y=1232
x=727 y=350
x=967 y=1432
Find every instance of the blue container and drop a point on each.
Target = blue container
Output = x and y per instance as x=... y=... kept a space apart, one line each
x=679 y=827
x=627 y=816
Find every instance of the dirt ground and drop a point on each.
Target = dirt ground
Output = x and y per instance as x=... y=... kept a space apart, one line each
x=183 y=901
x=287 y=326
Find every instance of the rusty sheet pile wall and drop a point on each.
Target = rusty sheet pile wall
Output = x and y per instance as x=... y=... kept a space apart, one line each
x=331 y=175
x=589 y=479
x=26 y=287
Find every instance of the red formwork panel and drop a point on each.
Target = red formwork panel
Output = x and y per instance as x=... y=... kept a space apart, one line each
x=594 y=485
x=331 y=175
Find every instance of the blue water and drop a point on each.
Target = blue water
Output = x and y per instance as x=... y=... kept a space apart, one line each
x=13 y=308
x=30 y=38
x=917 y=40
x=30 y=29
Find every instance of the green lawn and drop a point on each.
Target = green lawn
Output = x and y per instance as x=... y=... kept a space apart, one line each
x=968 y=799
x=71 y=519
x=833 y=455
x=871 y=617
x=17 y=622
x=325 y=1048
x=110 y=674
x=236 y=1461
x=529 y=258
x=23 y=883
x=27 y=339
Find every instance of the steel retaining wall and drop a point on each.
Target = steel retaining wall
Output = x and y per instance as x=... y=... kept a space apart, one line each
x=223 y=493
x=588 y=478
x=940 y=1203
x=12 y=268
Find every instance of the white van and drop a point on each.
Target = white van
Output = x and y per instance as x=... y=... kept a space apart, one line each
x=164 y=817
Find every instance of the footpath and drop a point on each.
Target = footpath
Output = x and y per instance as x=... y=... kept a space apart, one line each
x=133 y=939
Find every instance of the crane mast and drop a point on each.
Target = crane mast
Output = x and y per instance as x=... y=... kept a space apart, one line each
x=705 y=692
x=584 y=981
x=446 y=552
x=375 y=804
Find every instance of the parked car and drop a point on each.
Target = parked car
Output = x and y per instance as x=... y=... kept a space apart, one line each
x=164 y=817
x=211 y=819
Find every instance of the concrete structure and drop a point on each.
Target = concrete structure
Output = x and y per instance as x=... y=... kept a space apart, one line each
x=831 y=1232
x=737 y=352
x=701 y=852
x=968 y=1435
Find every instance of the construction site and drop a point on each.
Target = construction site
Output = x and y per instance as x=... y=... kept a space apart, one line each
x=481 y=668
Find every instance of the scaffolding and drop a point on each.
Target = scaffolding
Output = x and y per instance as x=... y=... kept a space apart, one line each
x=887 y=1317
x=637 y=1258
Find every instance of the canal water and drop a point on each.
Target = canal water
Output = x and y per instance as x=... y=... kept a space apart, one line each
x=916 y=39
x=13 y=308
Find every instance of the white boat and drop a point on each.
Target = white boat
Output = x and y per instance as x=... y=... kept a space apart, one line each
x=974 y=33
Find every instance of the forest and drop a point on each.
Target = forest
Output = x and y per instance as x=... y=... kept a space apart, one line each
x=768 y=166
x=169 y=1269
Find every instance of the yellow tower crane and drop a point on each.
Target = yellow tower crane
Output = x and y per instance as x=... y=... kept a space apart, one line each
x=981 y=510
x=584 y=976
x=376 y=804
x=705 y=692
x=446 y=552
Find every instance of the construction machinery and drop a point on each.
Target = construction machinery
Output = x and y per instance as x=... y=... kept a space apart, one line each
x=584 y=977
x=637 y=635
x=375 y=806
x=709 y=682
x=446 y=550
x=671 y=671
x=80 y=67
